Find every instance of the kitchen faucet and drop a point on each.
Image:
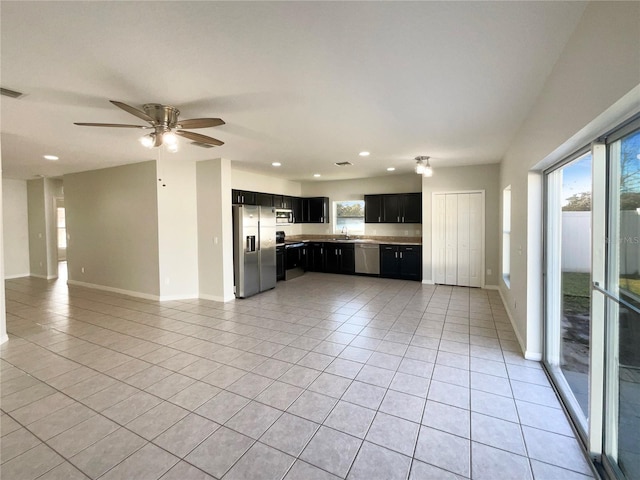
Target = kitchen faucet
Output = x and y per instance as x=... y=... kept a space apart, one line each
x=345 y=232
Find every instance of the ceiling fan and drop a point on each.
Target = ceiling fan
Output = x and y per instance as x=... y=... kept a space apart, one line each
x=164 y=122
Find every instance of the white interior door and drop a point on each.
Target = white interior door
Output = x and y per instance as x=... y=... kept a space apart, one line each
x=439 y=238
x=451 y=235
x=458 y=230
x=463 y=239
x=475 y=240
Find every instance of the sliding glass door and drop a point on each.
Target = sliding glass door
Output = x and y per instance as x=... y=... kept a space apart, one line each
x=592 y=295
x=622 y=293
x=568 y=292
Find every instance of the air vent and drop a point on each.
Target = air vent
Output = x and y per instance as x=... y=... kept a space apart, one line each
x=343 y=164
x=10 y=93
x=203 y=145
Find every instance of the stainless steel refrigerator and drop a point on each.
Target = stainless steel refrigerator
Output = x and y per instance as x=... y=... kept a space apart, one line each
x=254 y=249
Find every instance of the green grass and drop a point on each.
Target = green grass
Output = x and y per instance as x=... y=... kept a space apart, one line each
x=576 y=290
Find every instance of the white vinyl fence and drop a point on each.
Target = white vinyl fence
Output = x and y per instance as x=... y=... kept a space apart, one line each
x=576 y=242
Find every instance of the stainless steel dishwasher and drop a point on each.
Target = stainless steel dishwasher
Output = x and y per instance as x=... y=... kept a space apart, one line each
x=367 y=258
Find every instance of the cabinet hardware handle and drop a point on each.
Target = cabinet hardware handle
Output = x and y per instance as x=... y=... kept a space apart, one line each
x=400 y=254
x=402 y=219
x=396 y=254
x=398 y=219
x=378 y=219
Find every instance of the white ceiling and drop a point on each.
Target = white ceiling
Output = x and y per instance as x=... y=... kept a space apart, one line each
x=303 y=83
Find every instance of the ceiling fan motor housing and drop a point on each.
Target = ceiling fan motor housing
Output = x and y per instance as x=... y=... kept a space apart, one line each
x=163 y=115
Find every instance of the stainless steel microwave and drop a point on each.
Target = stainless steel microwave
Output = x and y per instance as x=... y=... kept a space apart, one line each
x=284 y=216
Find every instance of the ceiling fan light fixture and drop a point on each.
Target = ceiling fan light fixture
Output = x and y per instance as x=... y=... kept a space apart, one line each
x=173 y=148
x=147 y=141
x=428 y=171
x=170 y=138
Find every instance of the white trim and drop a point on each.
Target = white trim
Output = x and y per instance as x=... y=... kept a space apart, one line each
x=598 y=334
x=17 y=275
x=131 y=293
x=428 y=282
x=216 y=298
x=4 y=338
x=528 y=355
x=185 y=296
x=491 y=287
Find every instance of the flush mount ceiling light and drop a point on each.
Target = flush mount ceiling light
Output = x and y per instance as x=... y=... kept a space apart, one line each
x=316 y=175
x=364 y=154
x=423 y=167
x=50 y=157
x=391 y=169
x=276 y=164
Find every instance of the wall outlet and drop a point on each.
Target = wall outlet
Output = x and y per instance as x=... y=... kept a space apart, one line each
x=82 y=269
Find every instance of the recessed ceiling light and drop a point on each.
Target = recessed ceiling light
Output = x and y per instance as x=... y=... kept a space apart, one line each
x=50 y=157
x=316 y=175
x=364 y=154
x=391 y=169
x=276 y=164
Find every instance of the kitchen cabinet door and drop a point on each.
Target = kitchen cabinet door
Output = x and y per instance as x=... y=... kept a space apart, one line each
x=296 y=206
x=411 y=208
x=372 y=208
x=264 y=199
x=410 y=262
x=331 y=258
x=286 y=201
x=389 y=264
x=391 y=208
x=347 y=259
x=243 y=197
x=315 y=257
x=316 y=210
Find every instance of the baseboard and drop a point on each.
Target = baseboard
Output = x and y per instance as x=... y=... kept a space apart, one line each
x=45 y=277
x=492 y=287
x=16 y=275
x=535 y=356
x=515 y=329
x=216 y=298
x=428 y=282
x=131 y=293
x=4 y=338
x=169 y=298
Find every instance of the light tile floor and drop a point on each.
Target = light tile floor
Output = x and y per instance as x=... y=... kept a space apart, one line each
x=324 y=377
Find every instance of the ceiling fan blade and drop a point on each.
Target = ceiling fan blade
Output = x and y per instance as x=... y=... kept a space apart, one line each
x=200 y=122
x=117 y=125
x=196 y=137
x=133 y=111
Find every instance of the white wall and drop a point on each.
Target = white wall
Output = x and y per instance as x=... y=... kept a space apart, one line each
x=177 y=228
x=3 y=312
x=590 y=89
x=215 y=230
x=456 y=179
x=37 y=228
x=16 y=228
x=340 y=190
x=112 y=227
